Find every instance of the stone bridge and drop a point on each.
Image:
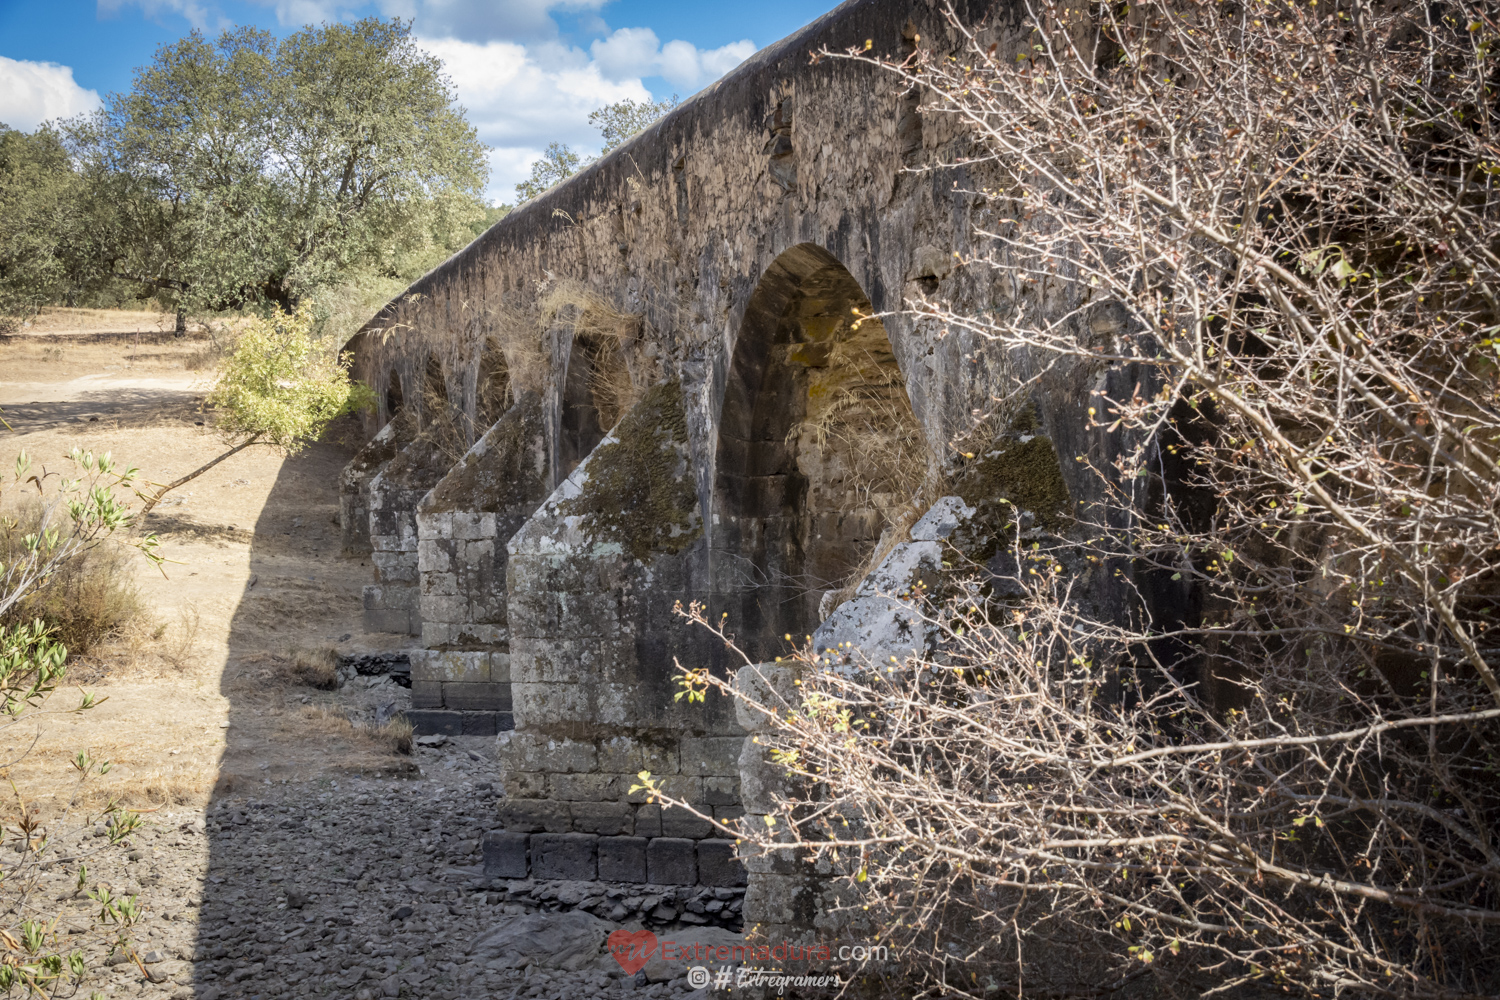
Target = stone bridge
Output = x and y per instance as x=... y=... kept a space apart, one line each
x=683 y=375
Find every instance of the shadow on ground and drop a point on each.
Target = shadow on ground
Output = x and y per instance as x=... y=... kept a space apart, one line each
x=117 y=407
x=337 y=866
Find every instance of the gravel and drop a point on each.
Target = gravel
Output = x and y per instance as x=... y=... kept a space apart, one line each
x=362 y=887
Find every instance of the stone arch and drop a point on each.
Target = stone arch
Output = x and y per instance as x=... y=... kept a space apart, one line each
x=819 y=452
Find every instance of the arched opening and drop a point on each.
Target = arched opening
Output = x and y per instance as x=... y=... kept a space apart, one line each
x=493 y=394
x=434 y=390
x=581 y=426
x=394 y=399
x=818 y=452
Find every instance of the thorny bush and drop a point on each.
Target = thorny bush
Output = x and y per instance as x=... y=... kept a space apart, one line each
x=1276 y=226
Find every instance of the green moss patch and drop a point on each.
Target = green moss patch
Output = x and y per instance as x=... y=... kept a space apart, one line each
x=1027 y=474
x=638 y=491
x=510 y=470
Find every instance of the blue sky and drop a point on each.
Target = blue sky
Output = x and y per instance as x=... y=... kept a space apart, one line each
x=528 y=71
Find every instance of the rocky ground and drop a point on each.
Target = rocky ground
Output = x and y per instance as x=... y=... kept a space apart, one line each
x=364 y=887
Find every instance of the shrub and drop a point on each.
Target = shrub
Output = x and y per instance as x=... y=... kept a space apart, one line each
x=73 y=520
x=88 y=599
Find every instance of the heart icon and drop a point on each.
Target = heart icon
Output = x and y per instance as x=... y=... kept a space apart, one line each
x=632 y=949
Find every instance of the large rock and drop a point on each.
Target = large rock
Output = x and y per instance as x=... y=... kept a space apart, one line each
x=568 y=941
x=882 y=622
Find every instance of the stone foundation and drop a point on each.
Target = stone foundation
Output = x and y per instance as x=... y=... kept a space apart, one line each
x=588 y=857
x=593 y=579
x=354 y=484
x=461 y=682
x=392 y=604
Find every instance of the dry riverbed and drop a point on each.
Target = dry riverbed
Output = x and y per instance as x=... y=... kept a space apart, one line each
x=287 y=849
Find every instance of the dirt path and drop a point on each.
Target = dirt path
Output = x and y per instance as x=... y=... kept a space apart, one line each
x=287 y=850
x=255 y=575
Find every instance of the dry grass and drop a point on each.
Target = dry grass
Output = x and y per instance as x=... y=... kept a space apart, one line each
x=619 y=371
x=89 y=600
x=394 y=736
x=518 y=338
x=315 y=668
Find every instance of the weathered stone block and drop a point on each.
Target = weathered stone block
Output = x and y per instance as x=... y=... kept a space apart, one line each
x=671 y=861
x=648 y=821
x=439 y=525
x=769 y=860
x=534 y=815
x=388 y=620
x=632 y=756
x=762 y=781
x=476 y=697
x=622 y=859
x=473 y=525
x=780 y=899
x=722 y=791
x=505 y=854
x=718 y=865
x=426 y=694
x=525 y=751
x=588 y=787
x=526 y=785
x=540 y=705
x=434 y=557
x=426 y=722
x=728 y=814
x=462 y=666
x=481 y=723
x=607 y=819
x=678 y=822
x=499 y=662
x=437 y=633
x=564 y=855
x=445 y=609
x=770 y=684
x=687 y=787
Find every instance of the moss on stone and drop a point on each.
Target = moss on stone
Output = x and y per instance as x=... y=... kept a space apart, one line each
x=638 y=491
x=1025 y=473
x=509 y=470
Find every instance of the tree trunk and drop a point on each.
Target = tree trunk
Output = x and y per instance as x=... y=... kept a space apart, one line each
x=181 y=329
x=195 y=473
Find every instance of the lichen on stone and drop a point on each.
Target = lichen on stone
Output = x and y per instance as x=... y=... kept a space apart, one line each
x=638 y=491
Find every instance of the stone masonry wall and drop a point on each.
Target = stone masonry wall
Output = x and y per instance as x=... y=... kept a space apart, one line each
x=354 y=484
x=392 y=603
x=461 y=680
x=787 y=159
x=594 y=577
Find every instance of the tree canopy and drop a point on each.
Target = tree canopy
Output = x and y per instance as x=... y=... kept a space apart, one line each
x=623 y=119
x=38 y=219
x=247 y=170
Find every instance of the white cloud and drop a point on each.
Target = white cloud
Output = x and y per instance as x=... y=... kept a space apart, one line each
x=34 y=92
x=522 y=97
x=637 y=52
